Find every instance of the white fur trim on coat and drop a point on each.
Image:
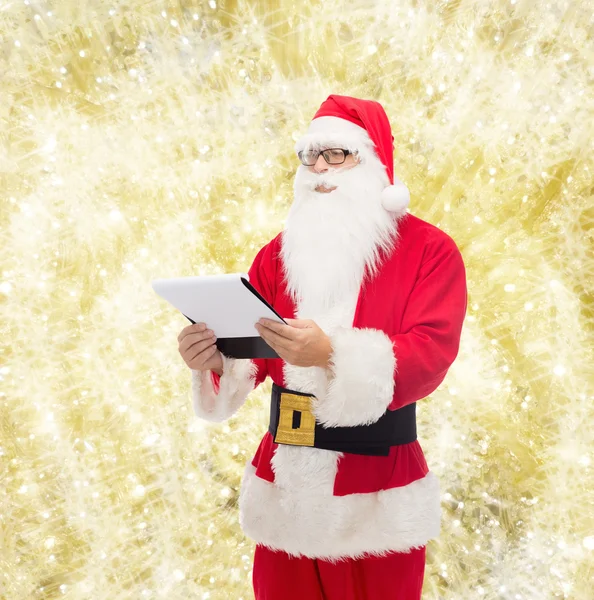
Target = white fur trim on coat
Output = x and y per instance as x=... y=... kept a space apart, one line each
x=237 y=381
x=318 y=525
x=361 y=387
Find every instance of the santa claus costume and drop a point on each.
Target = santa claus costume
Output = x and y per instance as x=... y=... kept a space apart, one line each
x=338 y=497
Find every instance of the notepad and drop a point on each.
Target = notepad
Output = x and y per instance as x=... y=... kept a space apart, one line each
x=228 y=304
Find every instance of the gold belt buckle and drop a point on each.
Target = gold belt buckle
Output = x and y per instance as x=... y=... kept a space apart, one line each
x=304 y=435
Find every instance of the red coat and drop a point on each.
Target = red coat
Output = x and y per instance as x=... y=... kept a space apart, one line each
x=397 y=349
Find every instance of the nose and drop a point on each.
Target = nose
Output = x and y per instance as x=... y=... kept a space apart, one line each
x=321 y=165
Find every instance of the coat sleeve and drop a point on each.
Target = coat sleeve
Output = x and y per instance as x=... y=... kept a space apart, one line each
x=371 y=371
x=217 y=398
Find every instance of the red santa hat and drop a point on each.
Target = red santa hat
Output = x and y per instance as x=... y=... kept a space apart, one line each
x=356 y=123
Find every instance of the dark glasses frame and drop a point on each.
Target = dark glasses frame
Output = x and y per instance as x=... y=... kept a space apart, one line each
x=346 y=153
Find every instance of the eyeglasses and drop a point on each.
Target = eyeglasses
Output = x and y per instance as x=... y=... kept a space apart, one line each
x=333 y=156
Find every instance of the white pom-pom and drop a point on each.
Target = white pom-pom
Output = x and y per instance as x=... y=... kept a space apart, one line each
x=396 y=198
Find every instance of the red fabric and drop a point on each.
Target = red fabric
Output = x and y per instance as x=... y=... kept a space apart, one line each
x=419 y=300
x=357 y=473
x=368 y=114
x=428 y=336
x=365 y=474
x=261 y=280
x=216 y=381
x=395 y=576
x=263 y=456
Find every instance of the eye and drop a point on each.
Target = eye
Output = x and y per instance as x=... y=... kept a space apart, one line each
x=309 y=157
x=334 y=156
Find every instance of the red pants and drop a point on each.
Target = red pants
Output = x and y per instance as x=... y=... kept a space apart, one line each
x=396 y=576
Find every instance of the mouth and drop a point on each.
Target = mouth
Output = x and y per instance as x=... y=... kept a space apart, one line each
x=324 y=189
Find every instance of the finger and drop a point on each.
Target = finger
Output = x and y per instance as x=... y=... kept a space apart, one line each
x=194 y=338
x=295 y=336
x=278 y=328
x=270 y=324
x=265 y=336
x=275 y=340
x=197 y=349
x=299 y=323
x=184 y=332
x=203 y=357
x=278 y=349
x=193 y=328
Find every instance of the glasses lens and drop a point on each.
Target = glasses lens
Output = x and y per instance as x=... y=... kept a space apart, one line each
x=334 y=156
x=308 y=157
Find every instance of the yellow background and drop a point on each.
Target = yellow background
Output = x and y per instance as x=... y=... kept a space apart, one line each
x=154 y=139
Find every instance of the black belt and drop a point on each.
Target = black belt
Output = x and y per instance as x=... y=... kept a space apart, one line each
x=293 y=423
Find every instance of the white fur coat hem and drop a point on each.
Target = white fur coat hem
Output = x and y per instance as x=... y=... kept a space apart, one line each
x=319 y=525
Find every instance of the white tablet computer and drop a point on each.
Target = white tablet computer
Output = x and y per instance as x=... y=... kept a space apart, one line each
x=228 y=304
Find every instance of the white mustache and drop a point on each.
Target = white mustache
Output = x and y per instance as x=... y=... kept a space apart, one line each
x=331 y=179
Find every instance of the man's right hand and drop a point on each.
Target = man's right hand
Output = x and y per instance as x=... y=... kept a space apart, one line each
x=198 y=348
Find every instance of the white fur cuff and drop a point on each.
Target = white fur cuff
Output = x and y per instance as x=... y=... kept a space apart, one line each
x=237 y=381
x=362 y=369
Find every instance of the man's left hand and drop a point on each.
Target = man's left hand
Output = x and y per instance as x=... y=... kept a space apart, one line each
x=301 y=342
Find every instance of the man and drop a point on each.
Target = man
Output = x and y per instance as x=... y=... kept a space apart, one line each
x=339 y=498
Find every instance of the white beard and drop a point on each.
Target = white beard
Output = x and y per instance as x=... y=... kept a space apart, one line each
x=330 y=239
x=328 y=242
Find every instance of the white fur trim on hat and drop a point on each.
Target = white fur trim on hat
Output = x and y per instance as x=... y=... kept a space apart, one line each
x=334 y=130
x=395 y=198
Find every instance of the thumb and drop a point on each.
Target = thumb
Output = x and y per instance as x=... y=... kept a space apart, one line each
x=299 y=323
